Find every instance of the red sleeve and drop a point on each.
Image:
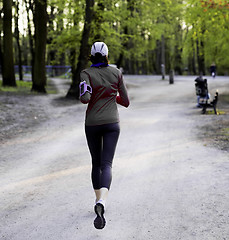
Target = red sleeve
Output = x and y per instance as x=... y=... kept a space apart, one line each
x=123 y=98
x=118 y=99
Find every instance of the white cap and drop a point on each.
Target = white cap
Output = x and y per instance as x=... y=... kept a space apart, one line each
x=99 y=47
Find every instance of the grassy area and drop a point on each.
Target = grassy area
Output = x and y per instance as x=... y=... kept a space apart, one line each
x=24 y=87
x=225 y=98
x=226 y=131
x=219 y=112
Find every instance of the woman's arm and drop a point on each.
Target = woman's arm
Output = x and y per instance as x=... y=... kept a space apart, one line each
x=123 y=98
x=85 y=98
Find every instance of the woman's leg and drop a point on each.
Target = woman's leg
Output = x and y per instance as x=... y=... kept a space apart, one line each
x=110 y=139
x=94 y=140
x=102 y=141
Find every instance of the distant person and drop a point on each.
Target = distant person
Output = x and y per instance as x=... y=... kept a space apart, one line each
x=163 y=71
x=99 y=87
x=201 y=90
x=213 y=69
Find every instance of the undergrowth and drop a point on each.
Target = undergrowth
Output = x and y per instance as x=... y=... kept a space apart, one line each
x=24 y=87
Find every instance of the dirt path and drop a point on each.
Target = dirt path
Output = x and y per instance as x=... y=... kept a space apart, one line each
x=168 y=183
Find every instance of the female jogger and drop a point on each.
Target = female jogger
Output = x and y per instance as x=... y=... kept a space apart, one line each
x=99 y=87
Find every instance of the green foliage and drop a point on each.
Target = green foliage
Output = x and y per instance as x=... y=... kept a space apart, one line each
x=67 y=27
x=134 y=30
x=21 y=87
x=24 y=87
x=207 y=21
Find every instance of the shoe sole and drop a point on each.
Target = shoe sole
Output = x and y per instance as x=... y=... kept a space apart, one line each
x=99 y=221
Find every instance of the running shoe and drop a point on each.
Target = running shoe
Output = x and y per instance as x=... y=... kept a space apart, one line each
x=99 y=221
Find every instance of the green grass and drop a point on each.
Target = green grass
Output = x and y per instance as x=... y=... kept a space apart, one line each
x=24 y=87
x=219 y=112
x=225 y=131
x=225 y=98
x=20 y=88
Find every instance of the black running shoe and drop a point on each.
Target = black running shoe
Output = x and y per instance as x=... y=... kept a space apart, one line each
x=99 y=221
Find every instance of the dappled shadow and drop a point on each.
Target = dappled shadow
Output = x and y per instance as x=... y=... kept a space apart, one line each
x=63 y=101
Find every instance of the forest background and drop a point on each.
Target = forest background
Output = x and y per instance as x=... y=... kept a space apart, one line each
x=142 y=36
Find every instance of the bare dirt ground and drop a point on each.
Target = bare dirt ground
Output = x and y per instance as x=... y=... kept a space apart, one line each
x=170 y=173
x=23 y=112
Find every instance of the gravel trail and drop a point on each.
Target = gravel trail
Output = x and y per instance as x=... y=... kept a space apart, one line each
x=169 y=180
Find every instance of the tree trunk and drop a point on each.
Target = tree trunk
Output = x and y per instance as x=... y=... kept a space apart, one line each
x=17 y=36
x=29 y=6
x=192 y=59
x=39 y=81
x=171 y=76
x=51 y=55
x=200 y=57
x=73 y=92
x=1 y=55
x=98 y=20
x=158 y=57
x=163 y=57
x=8 y=62
x=119 y=62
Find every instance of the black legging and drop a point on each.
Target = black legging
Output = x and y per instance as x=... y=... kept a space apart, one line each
x=102 y=141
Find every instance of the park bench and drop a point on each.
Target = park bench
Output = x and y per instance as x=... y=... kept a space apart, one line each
x=203 y=96
x=212 y=104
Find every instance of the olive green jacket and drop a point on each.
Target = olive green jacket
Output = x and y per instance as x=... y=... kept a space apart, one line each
x=106 y=83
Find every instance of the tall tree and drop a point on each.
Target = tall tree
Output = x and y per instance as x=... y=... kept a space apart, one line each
x=1 y=55
x=30 y=7
x=8 y=62
x=136 y=31
x=207 y=29
x=84 y=50
x=98 y=20
x=17 y=36
x=40 y=19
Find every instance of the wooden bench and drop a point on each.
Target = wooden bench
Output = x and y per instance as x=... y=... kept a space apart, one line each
x=212 y=104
